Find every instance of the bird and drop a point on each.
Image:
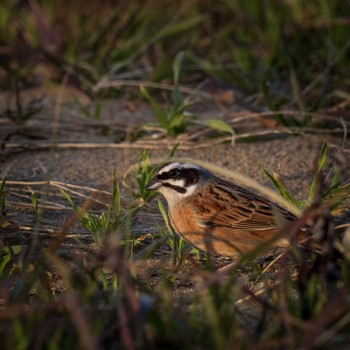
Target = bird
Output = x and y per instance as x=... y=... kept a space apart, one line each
x=215 y=215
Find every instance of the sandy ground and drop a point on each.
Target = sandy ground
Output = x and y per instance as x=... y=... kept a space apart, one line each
x=25 y=161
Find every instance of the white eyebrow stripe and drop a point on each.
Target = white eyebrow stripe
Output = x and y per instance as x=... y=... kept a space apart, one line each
x=169 y=167
x=178 y=165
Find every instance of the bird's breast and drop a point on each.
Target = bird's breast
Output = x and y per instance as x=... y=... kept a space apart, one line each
x=187 y=222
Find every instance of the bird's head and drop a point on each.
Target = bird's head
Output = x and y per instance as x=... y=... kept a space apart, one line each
x=176 y=181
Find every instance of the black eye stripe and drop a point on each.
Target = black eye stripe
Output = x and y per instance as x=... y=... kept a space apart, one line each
x=190 y=176
x=163 y=176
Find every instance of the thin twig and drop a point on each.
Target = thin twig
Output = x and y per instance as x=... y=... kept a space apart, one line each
x=40 y=206
x=169 y=144
x=56 y=184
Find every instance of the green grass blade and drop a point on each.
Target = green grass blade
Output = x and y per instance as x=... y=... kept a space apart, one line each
x=323 y=157
x=177 y=96
x=179 y=28
x=158 y=112
x=164 y=215
x=216 y=124
x=67 y=197
x=116 y=198
x=282 y=190
x=320 y=164
x=177 y=66
x=297 y=90
x=35 y=202
x=173 y=150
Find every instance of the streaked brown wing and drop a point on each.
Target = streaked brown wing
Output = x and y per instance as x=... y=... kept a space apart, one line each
x=229 y=206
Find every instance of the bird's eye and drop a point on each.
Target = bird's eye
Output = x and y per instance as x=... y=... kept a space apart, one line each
x=173 y=173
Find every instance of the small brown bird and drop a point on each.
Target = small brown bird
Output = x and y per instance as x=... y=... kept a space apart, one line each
x=215 y=215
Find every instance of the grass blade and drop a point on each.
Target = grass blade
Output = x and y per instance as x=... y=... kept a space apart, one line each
x=216 y=124
x=282 y=190
x=158 y=112
x=164 y=215
x=320 y=164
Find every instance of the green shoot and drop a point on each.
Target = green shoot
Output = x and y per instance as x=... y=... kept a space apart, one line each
x=7 y=256
x=114 y=208
x=334 y=195
x=95 y=224
x=35 y=203
x=173 y=119
x=144 y=173
x=319 y=166
x=100 y=225
x=282 y=190
x=216 y=124
x=178 y=99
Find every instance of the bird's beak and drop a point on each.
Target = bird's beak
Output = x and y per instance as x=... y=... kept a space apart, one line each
x=153 y=184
